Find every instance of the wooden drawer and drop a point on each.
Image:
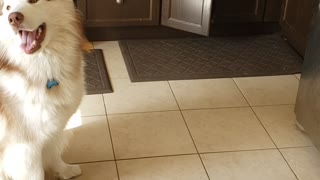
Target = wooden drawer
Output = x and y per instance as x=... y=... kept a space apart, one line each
x=106 y=13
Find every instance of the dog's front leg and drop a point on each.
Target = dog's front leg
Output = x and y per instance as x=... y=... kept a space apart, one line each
x=23 y=161
x=52 y=158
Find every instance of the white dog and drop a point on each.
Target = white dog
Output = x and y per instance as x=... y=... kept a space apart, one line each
x=41 y=85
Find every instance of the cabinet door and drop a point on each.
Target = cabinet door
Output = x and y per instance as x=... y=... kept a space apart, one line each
x=295 y=22
x=188 y=15
x=272 y=10
x=226 y=11
x=108 y=13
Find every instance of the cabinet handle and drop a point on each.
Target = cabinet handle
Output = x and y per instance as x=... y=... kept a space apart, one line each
x=119 y=2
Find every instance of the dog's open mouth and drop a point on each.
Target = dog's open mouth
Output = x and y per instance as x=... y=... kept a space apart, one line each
x=31 y=40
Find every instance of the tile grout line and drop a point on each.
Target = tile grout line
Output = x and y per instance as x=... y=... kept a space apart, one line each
x=288 y=164
x=144 y=112
x=266 y=131
x=188 y=154
x=194 y=109
x=160 y=156
x=297 y=147
x=107 y=115
x=272 y=105
x=241 y=150
x=113 y=151
x=136 y=158
x=95 y=161
x=185 y=122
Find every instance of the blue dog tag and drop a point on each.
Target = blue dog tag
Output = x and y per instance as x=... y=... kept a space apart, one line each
x=52 y=83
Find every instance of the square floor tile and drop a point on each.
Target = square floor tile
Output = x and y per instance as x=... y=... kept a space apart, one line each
x=150 y=134
x=207 y=93
x=92 y=105
x=115 y=64
x=90 y=141
x=98 y=171
x=163 y=168
x=113 y=58
x=77 y=120
x=271 y=90
x=226 y=130
x=104 y=45
x=139 y=97
x=250 y=165
x=305 y=162
x=280 y=122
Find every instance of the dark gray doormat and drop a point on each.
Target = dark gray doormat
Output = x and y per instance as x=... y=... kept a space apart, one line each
x=218 y=57
x=97 y=79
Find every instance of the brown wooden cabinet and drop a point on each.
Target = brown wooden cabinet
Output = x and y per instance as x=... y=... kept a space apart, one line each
x=160 y=18
x=226 y=11
x=246 y=11
x=295 y=22
x=110 y=13
x=239 y=17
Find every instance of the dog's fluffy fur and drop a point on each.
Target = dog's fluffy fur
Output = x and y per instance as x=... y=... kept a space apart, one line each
x=33 y=117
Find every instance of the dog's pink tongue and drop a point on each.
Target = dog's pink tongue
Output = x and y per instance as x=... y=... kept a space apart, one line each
x=26 y=40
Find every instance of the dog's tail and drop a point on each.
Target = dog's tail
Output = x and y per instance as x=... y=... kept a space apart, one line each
x=85 y=45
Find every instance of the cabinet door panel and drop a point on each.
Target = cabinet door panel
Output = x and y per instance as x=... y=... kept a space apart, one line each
x=239 y=11
x=128 y=13
x=295 y=22
x=273 y=10
x=188 y=15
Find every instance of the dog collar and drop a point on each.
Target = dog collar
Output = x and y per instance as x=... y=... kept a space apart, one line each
x=52 y=83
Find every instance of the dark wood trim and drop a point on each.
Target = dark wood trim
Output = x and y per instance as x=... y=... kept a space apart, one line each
x=135 y=32
x=225 y=29
x=148 y=32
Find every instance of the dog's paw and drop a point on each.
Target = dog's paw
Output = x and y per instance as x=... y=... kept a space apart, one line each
x=70 y=171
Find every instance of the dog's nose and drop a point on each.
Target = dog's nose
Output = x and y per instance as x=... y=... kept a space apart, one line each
x=15 y=18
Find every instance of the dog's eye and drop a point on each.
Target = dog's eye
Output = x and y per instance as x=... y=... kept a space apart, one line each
x=32 y=1
x=8 y=8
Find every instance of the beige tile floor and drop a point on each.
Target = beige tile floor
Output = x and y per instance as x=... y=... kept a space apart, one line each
x=218 y=129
